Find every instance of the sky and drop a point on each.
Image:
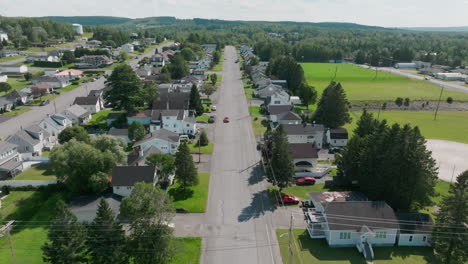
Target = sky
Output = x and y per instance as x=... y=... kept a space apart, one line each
x=386 y=13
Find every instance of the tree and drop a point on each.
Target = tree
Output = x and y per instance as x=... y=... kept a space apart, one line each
x=333 y=107
x=188 y=54
x=195 y=101
x=28 y=76
x=399 y=101
x=74 y=132
x=66 y=238
x=366 y=124
x=208 y=89
x=136 y=131
x=216 y=56
x=213 y=78
x=164 y=163
x=111 y=146
x=125 y=88
x=449 y=232
x=185 y=172
x=203 y=141
x=68 y=56
x=449 y=100
x=5 y=87
x=106 y=239
x=151 y=243
x=281 y=164
x=123 y=56
x=254 y=61
x=407 y=101
x=307 y=94
x=178 y=67
x=360 y=57
x=149 y=93
x=5 y=43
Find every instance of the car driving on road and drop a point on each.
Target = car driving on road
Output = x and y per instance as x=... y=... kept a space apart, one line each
x=226 y=120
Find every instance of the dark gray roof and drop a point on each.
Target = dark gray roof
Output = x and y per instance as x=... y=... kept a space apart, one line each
x=411 y=223
x=303 y=151
x=47 y=79
x=289 y=116
x=338 y=133
x=278 y=109
x=354 y=215
x=129 y=175
x=88 y=100
x=118 y=131
x=15 y=95
x=26 y=137
x=163 y=134
x=303 y=129
x=134 y=158
x=6 y=146
x=171 y=100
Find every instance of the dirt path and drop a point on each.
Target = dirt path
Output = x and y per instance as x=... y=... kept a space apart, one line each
x=451 y=157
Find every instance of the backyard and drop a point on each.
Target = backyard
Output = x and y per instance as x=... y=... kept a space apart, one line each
x=193 y=199
x=367 y=85
x=307 y=250
x=37 y=172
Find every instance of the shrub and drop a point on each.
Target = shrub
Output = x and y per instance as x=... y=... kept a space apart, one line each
x=449 y=100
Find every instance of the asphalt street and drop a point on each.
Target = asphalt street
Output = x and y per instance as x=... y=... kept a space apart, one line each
x=57 y=105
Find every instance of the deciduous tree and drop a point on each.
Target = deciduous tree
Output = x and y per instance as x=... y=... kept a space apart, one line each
x=136 y=131
x=164 y=163
x=307 y=94
x=74 y=132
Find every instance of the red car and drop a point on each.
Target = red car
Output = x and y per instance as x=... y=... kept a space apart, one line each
x=306 y=181
x=288 y=199
x=226 y=120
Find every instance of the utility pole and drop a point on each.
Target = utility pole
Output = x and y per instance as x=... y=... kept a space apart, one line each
x=6 y=229
x=438 y=102
x=290 y=258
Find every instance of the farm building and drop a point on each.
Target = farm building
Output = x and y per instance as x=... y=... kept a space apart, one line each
x=402 y=65
x=451 y=76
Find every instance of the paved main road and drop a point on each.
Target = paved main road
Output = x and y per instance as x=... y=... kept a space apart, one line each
x=57 y=105
x=239 y=214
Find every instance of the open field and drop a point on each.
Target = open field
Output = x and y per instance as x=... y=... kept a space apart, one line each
x=450 y=125
x=42 y=172
x=367 y=85
x=307 y=250
x=193 y=199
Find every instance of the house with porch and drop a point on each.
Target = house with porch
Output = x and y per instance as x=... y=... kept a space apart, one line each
x=92 y=104
x=305 y=133
x=125 y=177
x=10 y=160
x=178 y=121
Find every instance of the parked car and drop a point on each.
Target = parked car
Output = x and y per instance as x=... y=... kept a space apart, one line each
x=55 y=92
x=226 y=120
x=305 y=181
x=211 y=119
x=288 y=199
x=213 y=108
x=237 y=61
x=183 y=138
x=45 y=102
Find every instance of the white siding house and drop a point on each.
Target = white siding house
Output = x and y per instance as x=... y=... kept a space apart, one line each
x=165 y=141
x=14 y=68
x=55 y=124
x=337 y=137
x=77 y=115
x=92 y=104
x=125 y=177
x=305 y=133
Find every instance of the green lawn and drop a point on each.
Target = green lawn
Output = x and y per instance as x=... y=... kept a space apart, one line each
x=187 y=249
x=442 y=189
x=37 y=172
x=194 y=198
x=249 y=95
x=259 y=127
x=299 y=191
x=219 y=66
x=450 y=125
x=254 y=111
x=364 y=85
x=7 y=59
x=16 y=84
x=208 y=149
x=203 y=117
x=99 y=119
x=38 y=101
x=17 y=111
x=307 y=250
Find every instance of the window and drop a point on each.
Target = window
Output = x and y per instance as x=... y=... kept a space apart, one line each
x=334 y=141
x=345 y=235
x=188 y=125
x=310 y=136
x=118 y=188
x=424 y=238
x=175 y=125
x=380 y=234
x=129 y=187
x=410 y=238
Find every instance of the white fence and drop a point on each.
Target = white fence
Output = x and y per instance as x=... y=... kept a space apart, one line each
x=26 y=183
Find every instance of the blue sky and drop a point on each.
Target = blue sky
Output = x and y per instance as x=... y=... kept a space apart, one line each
x=388 y=13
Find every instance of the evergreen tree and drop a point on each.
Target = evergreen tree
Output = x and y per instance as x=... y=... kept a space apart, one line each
x=213 y=78
x=307 y=94
x=66 y=238
x=151 y=243
x=281 y=163
x=125 y=89
x=136 y=131
x=449 y=233
x=360 y=57
x=203 y=139
x=149 y=93
x=195 y=101
x=106 y=239
x=185 y=172
x=216 y=56
x=28 y=76
x=366 y=124
x=399 y=101
x=333 y=107
x=68 y=56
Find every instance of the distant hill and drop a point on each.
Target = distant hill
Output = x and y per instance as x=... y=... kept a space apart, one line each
x=439 y=29
x=89 y=20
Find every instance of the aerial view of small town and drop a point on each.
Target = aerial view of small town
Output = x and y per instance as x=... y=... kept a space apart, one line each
x=227 y=132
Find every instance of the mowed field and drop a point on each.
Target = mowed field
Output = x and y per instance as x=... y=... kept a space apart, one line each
x=366 y=85
x=450 y=125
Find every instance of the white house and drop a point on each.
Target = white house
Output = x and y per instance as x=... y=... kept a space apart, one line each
x=19 y=97
x=403 y=65
x=451 y=76
x=54 y=81
x=6 y=104
x=55 y=124
x=268 y=91
x=32 y=139
x=337 y=137
x=77 y=114
x=125 y=177
x=127 y=47
x=13 y=68
x=42 y=58
x=177 y=121
x=3 y=78
x=92 y=104
x=3 y=36
x=10 y=160
x=280 y=97
x=164 y=140
x=305 y=133
x=158 y=60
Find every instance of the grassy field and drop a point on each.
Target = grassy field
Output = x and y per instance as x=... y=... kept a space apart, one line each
x=450 y=125
x=194 y=198
x=203 y=117
x=307 y=250
x=38 y=101
x=364 y=85
x=442 y=189
x=37 y=172
x=187 y=250
x=17 y=111
x=16 y=84
x=254 y=111
x=7 y=59
x=100 y=118
x=208 y=149
x=259 y=127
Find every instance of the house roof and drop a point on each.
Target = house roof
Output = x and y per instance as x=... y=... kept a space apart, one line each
x=37 y=129
x=171 y=100
x=289 y=116
x=5 y=101
x=141 y=114
x=303 y=151
x=41 y=86
x=278 y=109
x=11 y=165
x=88 y=100
x=73 y=72
x=354 y=215
x=47 y=79
x=338 y=133
x=411 y=223
x=118 y=131
x=303 y=129
x=163 y=134
x=6 y=146
x=15 y=95
x=328 y=197
x=78 y=111
x=129 y=175
x=26 y=137
x=134 y=158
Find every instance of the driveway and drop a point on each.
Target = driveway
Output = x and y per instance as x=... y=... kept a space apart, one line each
x=451 y=157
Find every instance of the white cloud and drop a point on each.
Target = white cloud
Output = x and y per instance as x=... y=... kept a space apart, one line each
x=393 y=13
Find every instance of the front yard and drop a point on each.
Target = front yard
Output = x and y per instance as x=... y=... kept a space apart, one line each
x=208 y=149
x=203 y=117
x=193 y=199
x=255 y=111
x=259 y=127
x=187 y=250
x=37 y=172
x=17 y=111
x=307 y=250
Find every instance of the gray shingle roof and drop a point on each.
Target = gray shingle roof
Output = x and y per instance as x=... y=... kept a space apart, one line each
x=77 y=110
x=338 y=133
x=6 y=146
x=118 y=132
x=278 y=109
x=303 y=129
x=26 y=137
x=303 y=151
x=129 y=175
x=163 y=134
x=289 y=116
x=88 y=100
x=411 y=223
